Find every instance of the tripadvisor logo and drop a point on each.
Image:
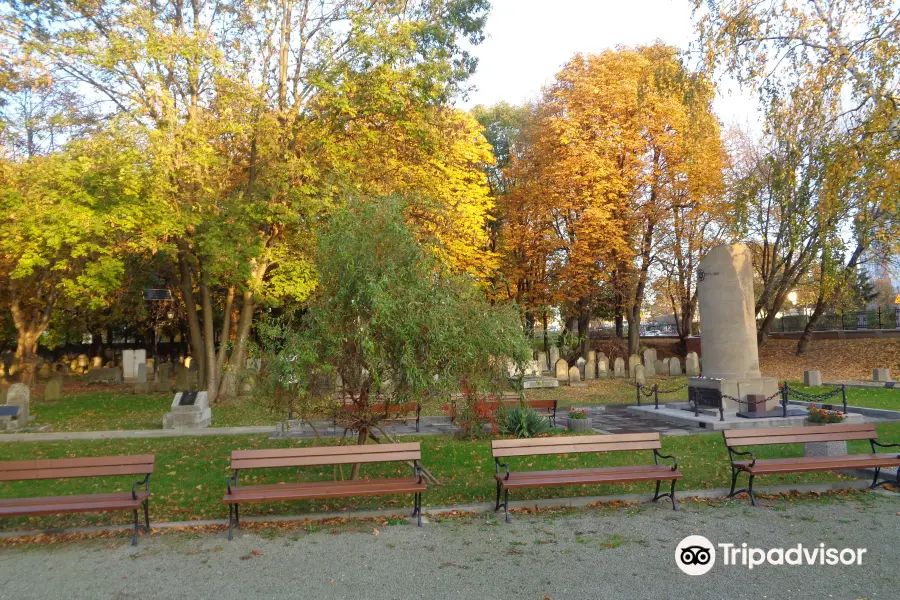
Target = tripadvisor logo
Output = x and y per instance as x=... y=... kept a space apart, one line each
x=696 y=555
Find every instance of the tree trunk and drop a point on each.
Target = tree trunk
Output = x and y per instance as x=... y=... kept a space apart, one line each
x=226 y=327
x=360 y=441
x=806 y=336
x=228 y=387
x=634 y=330
x=190 y=306
x=212 y=380
x=584 y=323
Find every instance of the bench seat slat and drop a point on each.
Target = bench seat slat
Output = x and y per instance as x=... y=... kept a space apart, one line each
x=820 y=463
x=595 y=476
x=326 y=450
x=323 y=489
x=576 y=448
x=312 y=461
x=110 y=471
x=790 y=435
x=73 y=463
x=10 y=507
x=569 y=440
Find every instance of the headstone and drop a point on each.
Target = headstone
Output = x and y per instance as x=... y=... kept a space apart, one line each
x=574 y=377
x=533 y=368
x=151 y=368
x=660 y=367
x=19 y=395
x=653 y=353
x=881 y=375
x=117 y=375
x=633 y=361
x=189 y=410
x=542 y=361
x=812 y=378
x=692 y=365
x=254 y=364
x=164 y=384
x=602 y=368
x=580 y=363
x=650 y=368
x=648 y=357
x=83 y=361
x=562 y=370
x=96 y=362
x=44 y=370
x=140 y=357
x=141 y=386
x=728 y=321
x=592 y=357
x=619 y=368
x=554 y=356
x=590 y=370
x=182 y=383
x=639 y=376
x=52 y=390
x=128 y=364
x=674 y=367
x=602 y=355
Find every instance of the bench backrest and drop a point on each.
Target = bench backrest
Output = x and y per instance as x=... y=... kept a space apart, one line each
x=67 y=468
x=791 y=435
x=576 y=444
x=536 y=404
x=324 y=455
x=393 y=408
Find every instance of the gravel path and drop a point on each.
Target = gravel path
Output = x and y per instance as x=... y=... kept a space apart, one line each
x=595 y=553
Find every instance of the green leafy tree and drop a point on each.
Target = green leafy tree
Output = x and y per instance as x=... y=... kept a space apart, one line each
x=391 y=321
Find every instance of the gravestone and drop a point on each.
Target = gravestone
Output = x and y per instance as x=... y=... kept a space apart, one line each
x=728 y=321
x=44 y=370
x=674 y=367
x=592 y=357
x=619 y=368
x=648 y=357
x=562 y=370
x=128 y=368
x=812 y=378
x=650 y=368
x=590 y=370
x=575 y=377
x=881 y=375
x=633 y=361
x=141 y=386
x=19 y=395
x=660 y=367
x=182 y=383
x=639 y=375
x=602 y=368
x=52 y=390
x=151 y=368
x=542 y=361
x=96 y=362
x=602 y=355
x=692 y=365
x=533 y=368
x=580 y=363
x=554 y=356
x=112 y=374
x=189 y=410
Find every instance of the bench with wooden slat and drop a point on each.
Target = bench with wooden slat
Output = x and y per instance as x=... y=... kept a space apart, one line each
x=738 y=438
x=242 y=460
x=71 y=468
x=508 y=400
x=507 y=480
x=387 y=412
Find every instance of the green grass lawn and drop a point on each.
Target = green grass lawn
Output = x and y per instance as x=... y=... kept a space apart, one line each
x=862 y=397
x=189 y=482
x=119 y=410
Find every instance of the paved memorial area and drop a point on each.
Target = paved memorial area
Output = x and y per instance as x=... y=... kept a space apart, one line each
x=624 y=552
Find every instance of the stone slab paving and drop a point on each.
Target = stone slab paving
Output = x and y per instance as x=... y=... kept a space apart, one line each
x=593 y=553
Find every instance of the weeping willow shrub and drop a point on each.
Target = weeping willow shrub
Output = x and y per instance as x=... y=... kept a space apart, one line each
x=389 y=322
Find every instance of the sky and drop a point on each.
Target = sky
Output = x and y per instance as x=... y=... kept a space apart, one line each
x=528 y=41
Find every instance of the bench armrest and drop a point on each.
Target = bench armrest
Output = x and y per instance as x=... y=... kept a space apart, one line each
x=877 y=443
x=732 y=452
x=145 y=481
x=417 y=468
x=657 y=456
x=232 y=480
x=498 y=465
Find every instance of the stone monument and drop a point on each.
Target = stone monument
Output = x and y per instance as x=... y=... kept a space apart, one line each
x=562 y=370
x=728 y=326
x=674 y=367
x=575 y=377
x=619 y=368
x=602 y=368
x=190 y=410
x=812 y=378
x=19 y=395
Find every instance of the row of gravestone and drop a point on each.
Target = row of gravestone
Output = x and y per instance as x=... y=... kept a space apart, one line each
x=596 y=366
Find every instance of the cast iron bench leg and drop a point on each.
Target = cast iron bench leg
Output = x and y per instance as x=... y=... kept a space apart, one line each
x=136 y=525
x=147 y=515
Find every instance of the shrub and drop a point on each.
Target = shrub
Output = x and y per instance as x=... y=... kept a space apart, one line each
x=523 y=422
x=822 y=416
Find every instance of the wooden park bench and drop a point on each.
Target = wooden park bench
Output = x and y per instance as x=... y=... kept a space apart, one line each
x=508 y=400
x=738 y=438
x=71 y=468
x=390 y=412
x=507 y=480
x=243 y=460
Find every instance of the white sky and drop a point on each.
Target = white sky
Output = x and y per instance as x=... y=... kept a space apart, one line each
x=529 y=40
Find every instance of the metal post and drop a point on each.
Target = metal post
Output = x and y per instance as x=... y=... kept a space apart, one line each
x=638 y=388
x=879 y=317
x=656 y=395
x=784 y=399
x=842 y=321
x=696 y=402
x=844 y=396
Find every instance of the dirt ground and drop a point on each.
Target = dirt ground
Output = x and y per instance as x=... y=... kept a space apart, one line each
x=837 y=359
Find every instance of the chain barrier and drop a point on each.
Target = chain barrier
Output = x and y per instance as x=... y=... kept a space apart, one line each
x=813 y=397
x=672 y=391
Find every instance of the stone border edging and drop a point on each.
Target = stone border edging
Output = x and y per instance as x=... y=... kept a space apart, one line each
x=481 y=507
x=881 y=413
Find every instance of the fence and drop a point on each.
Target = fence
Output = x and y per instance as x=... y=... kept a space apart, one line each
x=786 y=393
x=864 y=320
